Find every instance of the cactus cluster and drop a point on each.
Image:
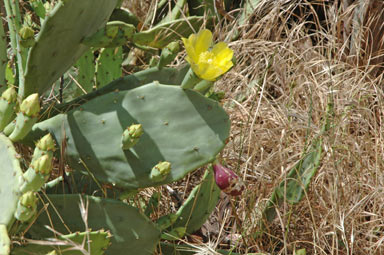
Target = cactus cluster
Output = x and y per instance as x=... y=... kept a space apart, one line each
x=128 y=133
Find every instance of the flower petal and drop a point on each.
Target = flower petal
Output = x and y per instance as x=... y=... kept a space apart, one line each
x=213 y=72
x=222 y=53
x=189 y=48
x=203 y=41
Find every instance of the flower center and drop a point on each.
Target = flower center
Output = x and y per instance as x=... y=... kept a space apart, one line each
x=206 y=57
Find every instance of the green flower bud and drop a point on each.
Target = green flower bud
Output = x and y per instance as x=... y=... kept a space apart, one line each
x=28 y=199
x=42 y=165
x=135 y=131
x=31 y=105
x=131 y=136
x=174 y=47
x=46 y=143
x=52 y=253
x=26 y=207
x=160 y=171
x=26 y=33
x=10 y=94
x=27 y=38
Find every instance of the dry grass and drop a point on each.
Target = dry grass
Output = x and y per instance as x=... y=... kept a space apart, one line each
x=277 y=96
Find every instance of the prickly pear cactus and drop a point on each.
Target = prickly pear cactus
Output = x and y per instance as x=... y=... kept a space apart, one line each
x=86 y=72
x=114 y=34
x=59 y=43
x=166 y=75
x=95 y=242
x=10 y=180
x=5 y=242
x=188 y=131
x=199 y=205
x=167 y=32
x=126 y=224
x=108 y=66
x=125 y=132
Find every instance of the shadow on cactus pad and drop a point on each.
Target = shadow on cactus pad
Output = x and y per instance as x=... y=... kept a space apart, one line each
x=129 y=228
x=180 y=126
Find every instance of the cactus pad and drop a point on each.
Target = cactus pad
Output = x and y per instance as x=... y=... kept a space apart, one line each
x=58 y=44
x=10 y=180
x=180 y=126
x=131 y=231
x=99 y=241
x=199 y=205
x=86 y=72
x=108 y=66
x=167 y=32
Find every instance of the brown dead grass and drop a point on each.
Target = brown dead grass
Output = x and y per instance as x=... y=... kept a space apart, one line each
x=276 y=97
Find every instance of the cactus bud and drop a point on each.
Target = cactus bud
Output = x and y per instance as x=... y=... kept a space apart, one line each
x=160 y=171
x=27 y=36
x=26 y=206
x=46 y=143
x=227 y=180
x=28 y=199
x=26 y=33
x=131 y=136
x=31 y=105
x=174 y=47
x=42 y=165
x=10 y=94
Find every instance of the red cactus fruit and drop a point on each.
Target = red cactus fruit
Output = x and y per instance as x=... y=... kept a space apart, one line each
x=227 y=180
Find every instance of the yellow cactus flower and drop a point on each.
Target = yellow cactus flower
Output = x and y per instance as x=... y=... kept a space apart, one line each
x=207 y=64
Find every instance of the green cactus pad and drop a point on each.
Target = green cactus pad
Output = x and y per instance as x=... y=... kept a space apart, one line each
x=86 y=72
x=7 y=112
x=180 y=126
x=10 y=180
x=108 y=66
x=23 y=125
x=99 y=241
x=166 y=75
x=165 y=33
x=5 y=242
x=131 y=231
x=124 y=15
x=199 y=205
x=114 y=34
x=58 y=44
x=3 y=59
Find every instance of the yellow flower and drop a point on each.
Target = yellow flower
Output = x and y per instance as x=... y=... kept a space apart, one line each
x=207 y=64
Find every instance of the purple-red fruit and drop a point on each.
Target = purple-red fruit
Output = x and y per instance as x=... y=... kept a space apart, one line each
x=227 y=180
